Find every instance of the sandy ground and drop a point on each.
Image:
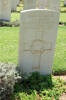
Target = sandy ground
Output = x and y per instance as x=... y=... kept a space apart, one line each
x=61 y=77
x=63 y=97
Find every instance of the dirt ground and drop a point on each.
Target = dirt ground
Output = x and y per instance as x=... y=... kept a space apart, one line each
x=63 y=97
x=61 y=77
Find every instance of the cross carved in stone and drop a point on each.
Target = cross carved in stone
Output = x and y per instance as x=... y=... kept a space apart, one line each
x=37 y=48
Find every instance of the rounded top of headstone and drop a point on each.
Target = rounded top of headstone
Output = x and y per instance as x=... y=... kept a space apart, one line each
x=36 y=10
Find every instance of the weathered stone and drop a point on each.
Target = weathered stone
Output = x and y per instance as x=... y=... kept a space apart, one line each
x=42 y=4
x=37 y=40
x=64 y=2
x=54 y=5
x=13 y=5
x=5 y=10
x=18 y=1
x=50 y=4
x=29 y=4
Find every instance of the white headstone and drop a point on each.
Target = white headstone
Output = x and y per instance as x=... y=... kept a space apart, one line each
x=54 y=5
x=29 y=4
x=18 y=1
x=37 y=40
x=42 y=4
x=13 y=5
x=50 y=4
x=65 y=2
x=5 y=10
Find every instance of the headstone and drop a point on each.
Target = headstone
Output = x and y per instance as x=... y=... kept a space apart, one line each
x=37 y=3
x=13 y=5
x=42 y=4
x=54 y=5
x=64 y=2
x=29 y=4
x=18 y=1
x=5 y=10
x=37 y=40
x=50 y=4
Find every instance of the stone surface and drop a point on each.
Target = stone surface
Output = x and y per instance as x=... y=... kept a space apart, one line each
x=37 y=40
x=54 y=5
x=18 y=1
x=42 y=4
x=65 y=2
x=5 y=10
x=29 y=4
x=49 y=4
x=13 y=5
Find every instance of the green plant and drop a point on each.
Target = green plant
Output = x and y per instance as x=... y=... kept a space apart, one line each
x=8 y=77
x=38 y=87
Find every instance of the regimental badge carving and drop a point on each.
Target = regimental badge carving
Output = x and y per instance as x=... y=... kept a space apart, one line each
x=37 y=48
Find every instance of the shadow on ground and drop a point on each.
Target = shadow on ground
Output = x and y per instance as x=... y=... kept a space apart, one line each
x=34 y=82
x=38 y=87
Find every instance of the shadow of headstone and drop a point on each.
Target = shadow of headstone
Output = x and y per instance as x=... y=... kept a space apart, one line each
x=34 y=82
